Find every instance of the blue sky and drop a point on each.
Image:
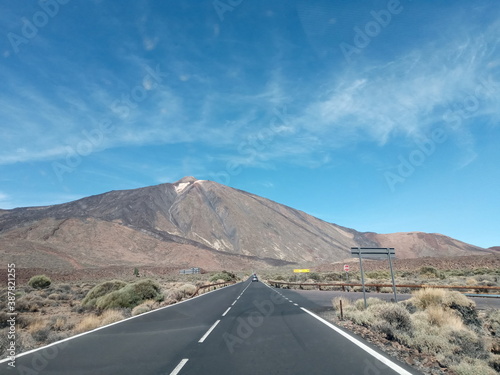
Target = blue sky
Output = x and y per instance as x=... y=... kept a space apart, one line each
x=376 y=115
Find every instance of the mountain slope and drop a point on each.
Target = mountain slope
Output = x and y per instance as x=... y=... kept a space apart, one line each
x=191 y=223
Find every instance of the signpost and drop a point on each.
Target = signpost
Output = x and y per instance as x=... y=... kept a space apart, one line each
x=375 y=253
x=346 y=269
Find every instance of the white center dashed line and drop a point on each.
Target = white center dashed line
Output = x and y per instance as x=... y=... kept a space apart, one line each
x=229 y=308
x=209 y=331
x=179 y=366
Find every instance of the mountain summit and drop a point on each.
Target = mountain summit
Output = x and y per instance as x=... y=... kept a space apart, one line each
x=191 y=223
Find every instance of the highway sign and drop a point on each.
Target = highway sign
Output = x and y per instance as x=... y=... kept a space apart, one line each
x=346 y=267
x=376 y=253
x=301 y=270
x=373 y=252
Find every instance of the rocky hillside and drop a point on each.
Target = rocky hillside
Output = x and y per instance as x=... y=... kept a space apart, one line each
x=191 y=223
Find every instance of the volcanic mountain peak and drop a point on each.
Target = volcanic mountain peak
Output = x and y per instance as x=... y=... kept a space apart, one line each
x=184 y=183
x=192 y=222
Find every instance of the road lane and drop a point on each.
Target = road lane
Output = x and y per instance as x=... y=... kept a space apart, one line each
x=151 y=343
x=266 y=333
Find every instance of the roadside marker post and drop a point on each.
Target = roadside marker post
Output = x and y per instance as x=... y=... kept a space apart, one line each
x=346 y=269
x=375 y=252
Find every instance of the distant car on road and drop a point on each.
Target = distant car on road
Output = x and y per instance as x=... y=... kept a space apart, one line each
x=254 y=278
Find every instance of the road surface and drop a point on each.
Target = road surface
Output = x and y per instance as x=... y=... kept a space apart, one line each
x=246 y=328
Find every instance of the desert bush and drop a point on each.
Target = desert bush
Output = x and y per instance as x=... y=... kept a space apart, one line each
x=30 y=303
x=383 y=275
x=394 y=314
x=224 y=275
x=130 y=295
x=423 y=298
x=181 y=292
x=440 y=317
x=346 y=303
x=59 y=323
x=334 y=276
x=473 y=367
x=468 y=344
x=143 y=307
x=88 y=323
x=101 y=290
x=111 y=316
x=494 y=363
x=39 y=282
x=429 y=271
x=492 y=322
x=39 y=330
x=314 y=276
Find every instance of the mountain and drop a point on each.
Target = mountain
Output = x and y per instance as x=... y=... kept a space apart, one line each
x=191 y=223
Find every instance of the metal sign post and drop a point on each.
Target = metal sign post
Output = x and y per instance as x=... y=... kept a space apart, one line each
x=376 y=253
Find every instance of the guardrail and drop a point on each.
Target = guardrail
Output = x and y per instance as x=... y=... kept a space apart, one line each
x=277 y=284
x=225 y=283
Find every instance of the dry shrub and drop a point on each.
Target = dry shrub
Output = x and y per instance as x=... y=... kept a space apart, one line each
x=39 y=330
x=144 y=307
x=473 y=367
x=59 y=323
x=181 y=292
x=441 y=317
x=88 y=323
x=111 y=316
x=426 y=297
x=346 y=303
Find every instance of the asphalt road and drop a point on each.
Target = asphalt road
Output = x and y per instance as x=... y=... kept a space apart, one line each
x=247 y=328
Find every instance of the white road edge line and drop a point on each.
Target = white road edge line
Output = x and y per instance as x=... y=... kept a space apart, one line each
x=209 y=331
x=380 y=357
x=179 y=366
x=229 y=308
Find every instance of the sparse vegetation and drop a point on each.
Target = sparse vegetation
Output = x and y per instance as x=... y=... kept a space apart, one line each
x=130 y=295
x=223 y=276
x=437 y=323
x=39 y=282
x=101 y=290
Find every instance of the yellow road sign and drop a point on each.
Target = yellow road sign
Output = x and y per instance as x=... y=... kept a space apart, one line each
x=301 y=271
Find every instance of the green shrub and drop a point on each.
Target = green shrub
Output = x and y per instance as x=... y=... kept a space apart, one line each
x=224 y=275
x=39 y=282
x=101 y=290
x=429 y=271
x=384 y=275
x=130 y=295
x=314 y=276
